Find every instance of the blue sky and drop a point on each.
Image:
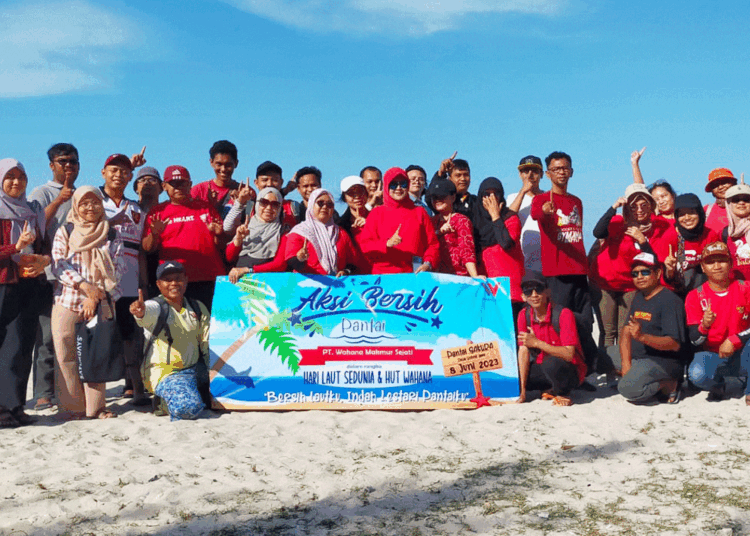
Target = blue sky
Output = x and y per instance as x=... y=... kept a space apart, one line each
x=345 y=84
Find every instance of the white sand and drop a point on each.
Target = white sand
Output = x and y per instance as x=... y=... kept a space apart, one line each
x=602 y=466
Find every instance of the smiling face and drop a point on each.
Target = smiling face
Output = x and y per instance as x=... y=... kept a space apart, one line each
x=721 y=188
x=536 y=295
x=688 y=218
x=65 y=168
x=443 y=204
x=462 y=179
x=173 y=287
x=417 y=181
x=323 y=209
x=372 y=180
x=640 y=207
x=178 y=191
x=664 y=200
x=740 y=205
x=223 y=166
x=306 y=184
x=116 y=177
x=269 y=208
x=398 y=188
x=15 y=182
x=646 y=278
x=356 y=196
x=90 y=208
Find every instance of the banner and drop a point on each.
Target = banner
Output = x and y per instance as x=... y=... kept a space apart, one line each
x=285 y=341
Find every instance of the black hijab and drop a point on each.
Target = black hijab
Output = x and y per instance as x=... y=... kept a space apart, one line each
x=482 y=219
x=690 y=201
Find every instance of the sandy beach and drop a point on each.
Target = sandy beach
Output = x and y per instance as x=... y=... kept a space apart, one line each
x=602 y=466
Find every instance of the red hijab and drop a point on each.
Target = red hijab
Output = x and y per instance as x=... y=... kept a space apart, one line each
x=401 y=213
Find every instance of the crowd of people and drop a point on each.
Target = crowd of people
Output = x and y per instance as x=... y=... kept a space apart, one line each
x=665 y=278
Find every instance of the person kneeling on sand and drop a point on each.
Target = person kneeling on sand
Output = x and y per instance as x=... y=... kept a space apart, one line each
x=176 y=342
x=549 y=353
x=718 y=317
x=650 y=342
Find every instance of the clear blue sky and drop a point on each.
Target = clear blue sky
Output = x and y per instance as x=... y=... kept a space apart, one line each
x=344 y=84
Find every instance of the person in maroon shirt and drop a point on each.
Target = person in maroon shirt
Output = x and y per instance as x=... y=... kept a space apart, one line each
x=222 y=190
x=564 y=262
x=719 y=181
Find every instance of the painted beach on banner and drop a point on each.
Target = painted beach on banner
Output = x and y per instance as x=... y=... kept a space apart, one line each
x=285 y=341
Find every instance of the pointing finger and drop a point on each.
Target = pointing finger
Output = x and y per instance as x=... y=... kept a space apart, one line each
x=143 y=150
x=248 y=182
x=399 y=229
x=670 y=250
x=26 y=226
x=247 y=219
x=641 y=151
x=454 y=155
x=140 y=296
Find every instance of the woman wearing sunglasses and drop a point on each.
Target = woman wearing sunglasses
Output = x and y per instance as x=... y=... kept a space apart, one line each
x=398 y=231
x=258 y=244
x=737 y=234
x=318 y=245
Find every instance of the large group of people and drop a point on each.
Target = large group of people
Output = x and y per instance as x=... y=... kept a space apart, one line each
x=665 y=278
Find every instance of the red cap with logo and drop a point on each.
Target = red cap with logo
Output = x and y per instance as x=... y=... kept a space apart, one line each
x=176 y=173
x=719 y=175
x=115 y=159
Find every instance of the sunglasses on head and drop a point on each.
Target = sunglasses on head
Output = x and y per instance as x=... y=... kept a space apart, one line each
x=265 y=203
x=645 y=272
x=528 y=290
x=398 y=184
x=326 y=204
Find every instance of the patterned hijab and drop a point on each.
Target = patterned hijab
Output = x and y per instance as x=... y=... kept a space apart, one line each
x=323 y=237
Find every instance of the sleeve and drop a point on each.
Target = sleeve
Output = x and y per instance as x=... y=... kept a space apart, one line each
x=199 y=191
x=432 y=249
x=568 y=330
x=234 y=218
x=293 y=245
x=147 y=223
x=601 y=229
x=536 y=211
x=347 y=255
x=370 y=240
x=279 y=262
x=693 y=316
x=507 y=231
x=232 y=252
x=522 y=327
x=465 y=232
x=6 y=250
x=62 y=269
x=150 y=316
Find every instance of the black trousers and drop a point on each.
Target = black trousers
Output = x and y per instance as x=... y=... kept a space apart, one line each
x=554 y=375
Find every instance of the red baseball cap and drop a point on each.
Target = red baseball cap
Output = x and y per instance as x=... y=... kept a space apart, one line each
x=115 y=159
x=176 y=173
x=719 y=175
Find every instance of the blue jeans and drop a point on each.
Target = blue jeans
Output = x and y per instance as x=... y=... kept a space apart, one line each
x=708 y=370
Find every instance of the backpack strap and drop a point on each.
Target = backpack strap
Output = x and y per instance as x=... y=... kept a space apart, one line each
x=195 y=306
x=161 y=325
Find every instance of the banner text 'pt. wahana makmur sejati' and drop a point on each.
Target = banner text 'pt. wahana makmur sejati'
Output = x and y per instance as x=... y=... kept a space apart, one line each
x=290 y=341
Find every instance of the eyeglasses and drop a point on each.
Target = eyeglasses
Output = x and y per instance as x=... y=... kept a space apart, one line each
x=398 y=184
x=324 y=204
x=528 y=290
x=560 y=169
x=150 y=180
x=641 y=273
x=265 y=203
x=66 y=161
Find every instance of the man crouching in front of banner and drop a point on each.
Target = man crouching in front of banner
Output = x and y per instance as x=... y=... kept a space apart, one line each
x=550 y=358
x=176 y=330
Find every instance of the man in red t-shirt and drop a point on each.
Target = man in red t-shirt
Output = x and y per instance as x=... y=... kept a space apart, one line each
x=550 y=358
x=187 y=231
x=564 y=262
x=222 y=190
x=718 y=317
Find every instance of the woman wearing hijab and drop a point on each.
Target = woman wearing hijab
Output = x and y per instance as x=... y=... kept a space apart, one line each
x=87 y=263
x=498 y=232
x=690 y=236
x=354 y=194
x=397 y=231
x=317 y=245
x=258 y=244
x=455 y=232
x=622 y=238
x=21 y=277
x=737 y=233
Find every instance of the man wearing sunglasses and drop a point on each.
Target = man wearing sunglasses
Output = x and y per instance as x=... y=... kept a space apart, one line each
x=651 y=341
x=550 y=358
x=718 y=317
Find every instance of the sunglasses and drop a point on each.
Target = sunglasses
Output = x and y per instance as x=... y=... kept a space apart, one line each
x=740 y=199
x=324 y=204
x=644 y=273
x=399 y=184
x=265 y=203
x=528 y=290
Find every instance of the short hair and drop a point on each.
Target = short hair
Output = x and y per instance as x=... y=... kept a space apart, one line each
x=267 y=168
x=461 y=165
x=310 y=170
x=414 y=167
x=60 y=149
x=558 y=155
x=661 y=183
x=370 y=168
x=223 y=147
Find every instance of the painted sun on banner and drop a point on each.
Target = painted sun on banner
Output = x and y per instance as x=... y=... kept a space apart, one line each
x=404 y=341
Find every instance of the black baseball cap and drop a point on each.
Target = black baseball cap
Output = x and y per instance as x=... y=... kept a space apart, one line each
x=441 y=188
x=169 y=268
x=531 y=277
x=530 y=161
x=266 y=168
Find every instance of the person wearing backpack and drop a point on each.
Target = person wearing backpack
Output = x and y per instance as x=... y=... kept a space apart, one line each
x=176 y=350
x=550 y=358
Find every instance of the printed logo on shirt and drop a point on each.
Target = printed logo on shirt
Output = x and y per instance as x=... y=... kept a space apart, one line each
x=743 y=252
x=642 y=315
x=136 y=217
x=183 y=219
x=568 y=219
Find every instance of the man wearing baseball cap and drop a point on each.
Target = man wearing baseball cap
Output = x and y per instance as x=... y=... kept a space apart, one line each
x=651 y=341
x=188 y=231
x=718 y=318
x=531 y=172
x=719 y=181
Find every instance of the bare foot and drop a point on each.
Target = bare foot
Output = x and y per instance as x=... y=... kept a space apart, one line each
x=562 y=401
x=547 y=396
x=103 y=413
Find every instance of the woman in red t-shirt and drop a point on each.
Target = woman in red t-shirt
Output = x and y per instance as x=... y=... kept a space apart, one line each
x=622 y=238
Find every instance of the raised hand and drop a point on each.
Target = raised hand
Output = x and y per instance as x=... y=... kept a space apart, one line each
x=138 y=307
x=242 y=232
x=670 y=263
x=395 y=240
x=635 y=156
x=620 y=202
x=636 y=234
x=290 y=186
x=302 y=254
x=214 y=227
x=708 y=316
x=245 y=193
x=213 y=196
x=158 y=225
x=446 y=166
x=490 y=204
x=446 y=228
x=549 y=207
x=137 y=160
x=27 y=237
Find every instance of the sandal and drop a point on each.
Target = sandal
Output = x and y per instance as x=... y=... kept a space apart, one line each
x=43 y=403
x=674 y=396
x=127 y=393
x=103 y=413
x=562 y=401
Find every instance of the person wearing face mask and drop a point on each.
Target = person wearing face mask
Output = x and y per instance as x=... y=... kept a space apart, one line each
x=88 y=261
x=21 y=280
x=682 y=267
x=737 y=234
x=397 y=231
x=317 y=245
x=623 y=237
x=719 y=181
